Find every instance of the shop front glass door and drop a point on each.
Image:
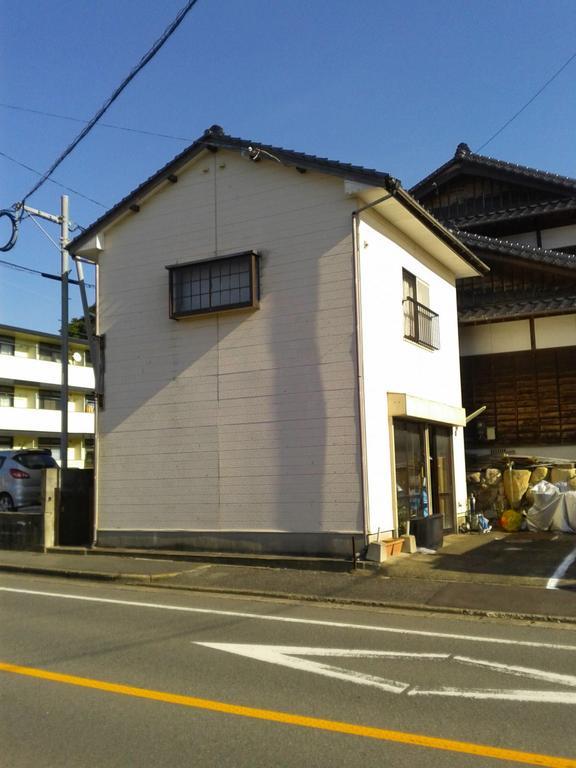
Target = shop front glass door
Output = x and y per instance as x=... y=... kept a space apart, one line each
x=442 y=474
x=411 y=474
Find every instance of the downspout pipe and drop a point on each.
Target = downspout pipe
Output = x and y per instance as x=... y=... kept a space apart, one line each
x=394 y=184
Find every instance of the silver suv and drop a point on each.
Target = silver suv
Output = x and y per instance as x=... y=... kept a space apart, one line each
x=21 y=477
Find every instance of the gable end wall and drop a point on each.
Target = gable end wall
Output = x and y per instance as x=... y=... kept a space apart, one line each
x=243 y=421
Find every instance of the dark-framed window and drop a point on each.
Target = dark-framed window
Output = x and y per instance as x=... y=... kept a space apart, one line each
x=49 y=399
x=6 y=396
x=49 y=352
x=7 y=345
x=214 y=285
x=421 y=324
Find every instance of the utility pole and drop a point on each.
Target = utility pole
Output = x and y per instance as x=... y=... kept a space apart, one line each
x=63 y=221
x=65 y=269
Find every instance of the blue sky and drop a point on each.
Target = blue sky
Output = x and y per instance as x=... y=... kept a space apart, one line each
x=390 y=85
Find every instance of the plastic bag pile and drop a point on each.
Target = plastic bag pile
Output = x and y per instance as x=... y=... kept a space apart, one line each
x=553 y=509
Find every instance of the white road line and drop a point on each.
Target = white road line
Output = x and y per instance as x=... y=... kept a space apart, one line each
x=560 y=572
x=537 y=697
x=292 y=620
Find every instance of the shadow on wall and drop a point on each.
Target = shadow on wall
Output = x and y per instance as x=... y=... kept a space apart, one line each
x=244 y=420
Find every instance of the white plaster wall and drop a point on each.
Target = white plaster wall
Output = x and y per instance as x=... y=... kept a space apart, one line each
x=493 y=338
x=554 y=237
x=557 y=237
x=557 y=331
x=392 y=364
x=239 y=421
x=526 y=238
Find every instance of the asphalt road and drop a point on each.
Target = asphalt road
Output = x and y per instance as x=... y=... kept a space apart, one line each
x=100 y=675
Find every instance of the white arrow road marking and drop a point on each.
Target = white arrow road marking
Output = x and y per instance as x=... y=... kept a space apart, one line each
x=535 y=674
x=548 y=697
x=290 y=656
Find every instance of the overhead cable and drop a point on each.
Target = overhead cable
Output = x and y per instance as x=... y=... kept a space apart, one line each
x=14 y=219
x=100 y=125
x=170 y=29
x=20 y=268
x=538 y=92
x=53 y=181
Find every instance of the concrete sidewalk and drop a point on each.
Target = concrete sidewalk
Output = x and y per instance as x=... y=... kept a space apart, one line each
x=498 y=574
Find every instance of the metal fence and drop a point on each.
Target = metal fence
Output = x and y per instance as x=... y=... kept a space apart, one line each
x=421 y=324
x=21 y=530
x=67 y=519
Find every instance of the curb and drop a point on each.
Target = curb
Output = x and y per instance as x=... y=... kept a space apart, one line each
x=135 y=579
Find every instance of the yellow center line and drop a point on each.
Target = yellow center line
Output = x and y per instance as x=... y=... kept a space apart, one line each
x=400 y=737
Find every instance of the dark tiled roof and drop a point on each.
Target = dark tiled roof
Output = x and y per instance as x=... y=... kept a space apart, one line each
x=464 y=154
x=214 y=138
x=511 y=214
x=520 y=250
x=517 y=309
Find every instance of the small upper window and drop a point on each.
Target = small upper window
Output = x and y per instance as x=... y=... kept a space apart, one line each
x=49 y=399
x=420 y=322
x=6 y=397
x=49 y=352
x=7 y=345
x=214 y=285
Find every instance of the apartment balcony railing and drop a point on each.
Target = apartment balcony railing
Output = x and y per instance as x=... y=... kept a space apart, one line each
x=44 y=372
x=46 y=421
x=421 y=324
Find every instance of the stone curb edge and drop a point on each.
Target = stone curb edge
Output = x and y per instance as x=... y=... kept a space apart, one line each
x=147 y=579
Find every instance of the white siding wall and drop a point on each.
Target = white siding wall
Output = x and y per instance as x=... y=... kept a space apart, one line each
x=392 y=364
x=244 y=420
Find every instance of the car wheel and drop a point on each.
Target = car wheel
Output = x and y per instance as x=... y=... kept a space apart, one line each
x=6 y=503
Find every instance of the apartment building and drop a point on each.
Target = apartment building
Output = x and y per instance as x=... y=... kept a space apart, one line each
x=30 y=385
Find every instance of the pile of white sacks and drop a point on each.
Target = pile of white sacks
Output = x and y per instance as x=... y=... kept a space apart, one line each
x=545 y=495
x=553 y=507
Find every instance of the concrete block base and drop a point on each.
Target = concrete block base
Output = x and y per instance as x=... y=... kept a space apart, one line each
x=409 y=544
x=376 y=552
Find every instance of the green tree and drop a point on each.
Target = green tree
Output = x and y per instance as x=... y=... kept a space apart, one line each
x=77 y=326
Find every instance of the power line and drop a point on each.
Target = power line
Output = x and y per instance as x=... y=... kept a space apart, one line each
x=100 y=125
x=111 y=99
x=20 y=268
x=53 y=181
x=514 y=116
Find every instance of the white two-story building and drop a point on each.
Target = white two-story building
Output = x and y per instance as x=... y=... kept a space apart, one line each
x=30 y=386
x=281 y=355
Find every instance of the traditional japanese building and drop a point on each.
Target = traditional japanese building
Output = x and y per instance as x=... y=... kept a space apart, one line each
x=518 y=322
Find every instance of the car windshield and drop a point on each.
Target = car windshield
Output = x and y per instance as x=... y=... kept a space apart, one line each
x=35 y=460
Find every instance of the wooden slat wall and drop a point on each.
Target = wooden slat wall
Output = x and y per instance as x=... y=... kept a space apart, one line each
x=530 y=396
